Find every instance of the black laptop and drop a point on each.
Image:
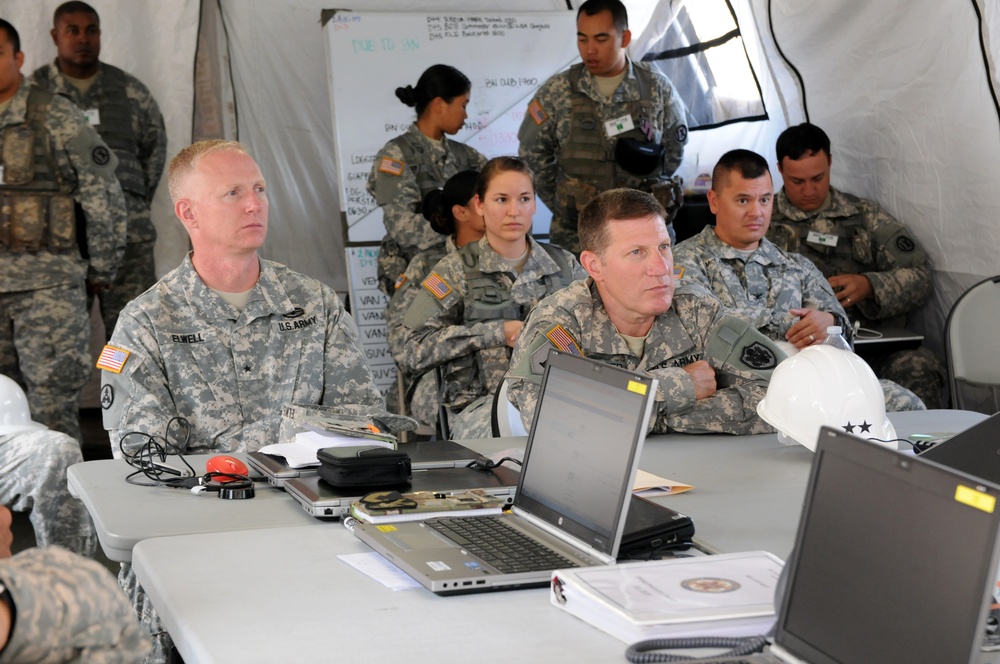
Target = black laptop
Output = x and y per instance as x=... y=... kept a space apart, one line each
x=975 y=451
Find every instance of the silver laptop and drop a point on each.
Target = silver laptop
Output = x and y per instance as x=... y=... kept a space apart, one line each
x=423 y=454
x=894 y=561
x=573 y=496
x=975 y=451
x=323 y=500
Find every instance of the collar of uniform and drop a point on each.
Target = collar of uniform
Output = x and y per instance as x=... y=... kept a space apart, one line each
x=434 y=149
x=267 y=298
x=17 y=112
x=62 y=86
x=766 y=253
x=628 y=90
x=840 y=206
x=490 y=261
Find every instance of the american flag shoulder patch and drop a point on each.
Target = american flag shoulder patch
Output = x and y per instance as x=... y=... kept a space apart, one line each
x=113 y=359
x=437 y=286
x=536 y=112
x=390 y=166
x=562 y=340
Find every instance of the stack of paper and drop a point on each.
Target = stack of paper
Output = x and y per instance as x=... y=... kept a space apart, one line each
x=724 y=595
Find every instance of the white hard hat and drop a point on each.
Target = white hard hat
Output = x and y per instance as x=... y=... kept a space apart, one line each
x=14 y=413
x=823 y=385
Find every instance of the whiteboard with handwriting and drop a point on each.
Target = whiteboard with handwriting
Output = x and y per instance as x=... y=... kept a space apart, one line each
x=369 y=54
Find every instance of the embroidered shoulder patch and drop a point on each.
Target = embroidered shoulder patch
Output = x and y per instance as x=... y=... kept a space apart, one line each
x=562 y=340
x=437 y=286
x=400 y=280
x=536 y=112
x=390 y=166
x=113 y=359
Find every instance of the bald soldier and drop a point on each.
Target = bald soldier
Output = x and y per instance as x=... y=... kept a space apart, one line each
x=712 y=369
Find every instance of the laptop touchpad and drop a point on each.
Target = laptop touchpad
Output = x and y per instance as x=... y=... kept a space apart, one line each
x=420 y=540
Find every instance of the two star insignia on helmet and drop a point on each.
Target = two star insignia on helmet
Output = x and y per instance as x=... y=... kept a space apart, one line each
x=862 y=428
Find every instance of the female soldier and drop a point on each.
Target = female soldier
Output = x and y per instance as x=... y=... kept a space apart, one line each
x=452 y=213
x=467 y=314
x=418 y=161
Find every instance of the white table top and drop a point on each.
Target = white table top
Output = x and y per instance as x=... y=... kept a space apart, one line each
x=208 y=587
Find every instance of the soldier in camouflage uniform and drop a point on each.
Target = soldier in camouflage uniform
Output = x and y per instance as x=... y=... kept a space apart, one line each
x=607 y=122
x=52 y=161
x=124 y=113
x=781 y=294
x=422 y=159
x=877 y=269
x=712 y=369
x=33 y=464
x=227 y=338
x=451 y=212
x=469 y=310
x=58 y=607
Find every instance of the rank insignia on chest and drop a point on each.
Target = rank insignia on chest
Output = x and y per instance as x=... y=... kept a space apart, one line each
x=536 y=112
x=113 y=359
x=562 y=340
x=437 y=286
x=390 y=166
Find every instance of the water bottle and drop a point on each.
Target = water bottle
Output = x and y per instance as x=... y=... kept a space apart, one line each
x=835 y=337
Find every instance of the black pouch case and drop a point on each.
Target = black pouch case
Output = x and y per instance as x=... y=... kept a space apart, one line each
x=364 y=465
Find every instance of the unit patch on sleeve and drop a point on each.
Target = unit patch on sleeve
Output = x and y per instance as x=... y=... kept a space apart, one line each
x=536 y=112
x=390 y=166
x=437 y=286
x=562 y=340
x=113 y=359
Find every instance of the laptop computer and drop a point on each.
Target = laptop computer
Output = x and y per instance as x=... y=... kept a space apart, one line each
x=423 y=454
x=975 y=451
x=324 y=500
x=893 y=562
x=573 y=495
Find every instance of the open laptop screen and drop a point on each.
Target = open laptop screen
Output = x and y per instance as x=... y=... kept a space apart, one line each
x=588 y=428
x=893 y=562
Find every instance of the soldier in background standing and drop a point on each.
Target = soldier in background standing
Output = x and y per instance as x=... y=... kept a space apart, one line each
x=607 y=122
x=52 y=160
x=124 y=113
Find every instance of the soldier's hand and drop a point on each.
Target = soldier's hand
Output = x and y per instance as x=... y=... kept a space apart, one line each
x=511 y=329
x=95 y=287
x=851 y=288
x=703 y=375
x=811 y=328
x=6 y=536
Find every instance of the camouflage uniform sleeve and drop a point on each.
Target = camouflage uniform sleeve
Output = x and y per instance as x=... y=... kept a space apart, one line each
x=902 y=281
x=524 y=379
x=399 y=197
x=725 y=339
x=674 y=127
x=539 y=142
x=69 y=608
x=347 y=379
x=151 y=134
x=434 y=330
x=818 y=294
x=84 y=158
x=137 y=399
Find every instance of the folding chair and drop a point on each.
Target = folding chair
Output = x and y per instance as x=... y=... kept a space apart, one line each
x=972 y=343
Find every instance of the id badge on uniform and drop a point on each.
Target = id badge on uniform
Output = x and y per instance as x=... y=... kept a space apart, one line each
x=619 y=125
x=93 y=116
x=822 y=238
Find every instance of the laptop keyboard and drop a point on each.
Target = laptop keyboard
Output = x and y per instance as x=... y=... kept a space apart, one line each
x=505 y=548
